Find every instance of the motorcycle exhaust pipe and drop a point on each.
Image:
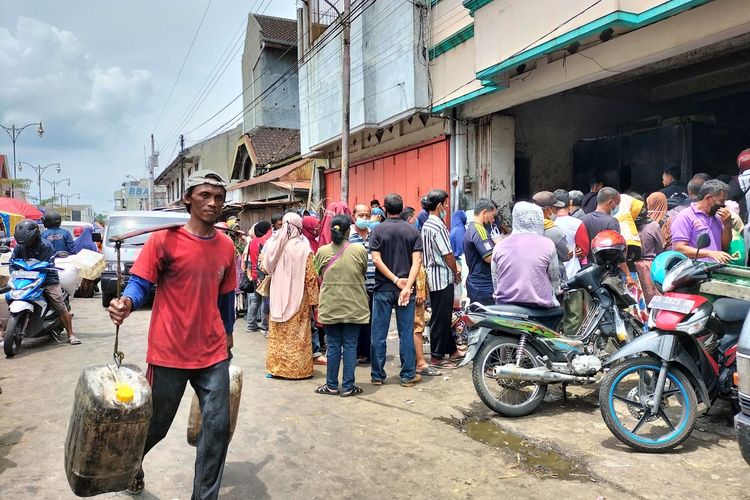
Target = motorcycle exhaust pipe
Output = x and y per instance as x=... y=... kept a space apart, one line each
x=539 y=374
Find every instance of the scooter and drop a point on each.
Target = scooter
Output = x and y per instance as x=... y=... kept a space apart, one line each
x=517 y=351
x=30 y=314
x=649 y=398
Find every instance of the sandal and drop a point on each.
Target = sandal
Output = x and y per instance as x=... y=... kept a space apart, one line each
x=351 y=392
x=324 y=389
x=73 y=340
x=444 y=363
x=430 y=371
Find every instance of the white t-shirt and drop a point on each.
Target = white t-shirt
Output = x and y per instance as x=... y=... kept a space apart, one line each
x=569 y=226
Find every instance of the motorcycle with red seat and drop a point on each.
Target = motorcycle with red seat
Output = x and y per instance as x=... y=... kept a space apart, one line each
x=649 y=397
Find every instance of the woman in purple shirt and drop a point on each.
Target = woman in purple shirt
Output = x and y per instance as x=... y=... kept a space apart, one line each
x=525 y=268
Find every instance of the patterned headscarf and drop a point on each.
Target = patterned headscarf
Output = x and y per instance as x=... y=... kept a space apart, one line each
x=657 y=206
x=527 y=218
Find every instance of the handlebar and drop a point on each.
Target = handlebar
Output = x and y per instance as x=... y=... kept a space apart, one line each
x=715 y=267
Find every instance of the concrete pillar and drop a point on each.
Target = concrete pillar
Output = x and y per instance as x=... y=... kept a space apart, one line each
x=502 y=169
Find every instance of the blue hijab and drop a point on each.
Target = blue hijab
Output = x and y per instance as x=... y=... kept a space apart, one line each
x=458 y=230
x=85 y=241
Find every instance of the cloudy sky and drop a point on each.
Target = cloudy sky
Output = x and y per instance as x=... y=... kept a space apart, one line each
x=99 y=74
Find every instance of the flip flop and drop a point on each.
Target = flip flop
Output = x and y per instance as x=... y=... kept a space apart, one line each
x=446 y=364
x=73 y=340
x=430 y=371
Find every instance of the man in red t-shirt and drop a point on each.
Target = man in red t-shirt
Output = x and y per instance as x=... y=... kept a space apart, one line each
x=262 y=232
x=190 y=335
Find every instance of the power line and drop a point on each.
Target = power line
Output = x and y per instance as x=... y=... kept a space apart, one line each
x=179 y=73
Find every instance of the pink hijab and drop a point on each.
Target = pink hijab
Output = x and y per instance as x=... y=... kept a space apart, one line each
x=286 y=260
x=334 y=209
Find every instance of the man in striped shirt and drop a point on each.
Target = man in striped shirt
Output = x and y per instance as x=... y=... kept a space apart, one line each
x=442 y=273
x=361 y=235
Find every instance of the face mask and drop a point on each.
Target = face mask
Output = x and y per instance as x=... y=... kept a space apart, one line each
x=442 y=214
x=614 y=211
x=374 y=224
x=715 y=208
x=362 y=223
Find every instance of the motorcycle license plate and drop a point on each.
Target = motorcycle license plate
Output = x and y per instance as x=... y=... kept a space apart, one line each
x=25 y=275
x=674 y=304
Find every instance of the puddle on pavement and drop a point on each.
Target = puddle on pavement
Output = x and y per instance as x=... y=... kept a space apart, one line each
x=537 y=458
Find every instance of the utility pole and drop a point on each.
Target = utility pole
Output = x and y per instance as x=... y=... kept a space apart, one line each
x=345 y=91
x=153 y=164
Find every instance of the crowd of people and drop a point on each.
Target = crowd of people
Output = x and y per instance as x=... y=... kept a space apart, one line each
x=332 y=283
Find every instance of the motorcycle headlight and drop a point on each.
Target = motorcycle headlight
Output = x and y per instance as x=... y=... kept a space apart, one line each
x=697 y=321
x=17 y=294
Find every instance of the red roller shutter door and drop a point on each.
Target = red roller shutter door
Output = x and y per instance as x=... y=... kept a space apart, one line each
x=411 y=173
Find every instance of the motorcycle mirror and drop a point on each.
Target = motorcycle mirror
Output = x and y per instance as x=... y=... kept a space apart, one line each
x=97 y=237
x=703 y=241
x=4 y=249
x=62 y=254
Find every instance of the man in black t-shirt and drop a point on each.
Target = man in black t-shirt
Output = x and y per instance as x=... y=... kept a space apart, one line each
x=396 y=248
x=674 y=189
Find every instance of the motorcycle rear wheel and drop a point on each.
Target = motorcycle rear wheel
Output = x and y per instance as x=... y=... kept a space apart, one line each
x=12 y=343
x=507 y=398
x=622 y=402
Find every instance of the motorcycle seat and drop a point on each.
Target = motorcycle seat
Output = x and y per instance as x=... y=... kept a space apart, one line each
x=531 y=312
x=731 y=310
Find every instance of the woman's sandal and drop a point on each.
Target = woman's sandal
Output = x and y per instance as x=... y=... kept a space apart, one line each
x=351 y=392
x=324 y=389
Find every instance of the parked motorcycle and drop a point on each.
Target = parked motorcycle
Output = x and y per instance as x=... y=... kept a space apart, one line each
x=649 y=399
x=517 y=351
x=30 y=314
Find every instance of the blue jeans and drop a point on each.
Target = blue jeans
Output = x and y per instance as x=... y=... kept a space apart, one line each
x=382 y=304
x=255 y=310
x=341 y=337
x=315 y=336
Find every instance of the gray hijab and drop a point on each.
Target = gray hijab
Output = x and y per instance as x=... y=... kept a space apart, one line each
x=527 y=218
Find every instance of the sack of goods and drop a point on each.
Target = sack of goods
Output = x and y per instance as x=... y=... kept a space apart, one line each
x=70 y=276
x=108 y=429
x=235 y=392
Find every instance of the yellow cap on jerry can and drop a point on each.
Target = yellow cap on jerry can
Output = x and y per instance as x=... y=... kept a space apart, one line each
x=124 y=393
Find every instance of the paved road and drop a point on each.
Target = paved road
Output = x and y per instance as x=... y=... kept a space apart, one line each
x=435 y=440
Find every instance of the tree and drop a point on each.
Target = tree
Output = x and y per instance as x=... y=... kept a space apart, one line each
x=100 y=218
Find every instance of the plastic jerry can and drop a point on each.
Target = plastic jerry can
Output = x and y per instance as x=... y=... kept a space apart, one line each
x=108 y=429
x=235 y=392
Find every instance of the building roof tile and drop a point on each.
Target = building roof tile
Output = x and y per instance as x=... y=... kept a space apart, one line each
x=274 y=144
x=277 y=29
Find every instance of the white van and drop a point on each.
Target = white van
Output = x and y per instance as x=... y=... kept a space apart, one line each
x=123 y=222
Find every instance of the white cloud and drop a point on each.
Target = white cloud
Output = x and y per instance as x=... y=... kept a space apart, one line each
x=48 y=76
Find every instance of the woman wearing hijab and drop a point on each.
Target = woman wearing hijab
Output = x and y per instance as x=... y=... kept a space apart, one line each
x=458 y=230
x=651 y=244
x=343 y=305
x=657 y=207
x=311 y=230
x=85 y=241
x=288 y=259
x=333 y=209
x=525 y=268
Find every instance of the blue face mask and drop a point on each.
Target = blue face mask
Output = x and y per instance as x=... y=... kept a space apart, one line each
x=614 y=211
x=373 y=224
x=362 y=223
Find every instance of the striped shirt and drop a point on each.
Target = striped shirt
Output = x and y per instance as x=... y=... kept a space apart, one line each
x=370 y=274
x=435 y=245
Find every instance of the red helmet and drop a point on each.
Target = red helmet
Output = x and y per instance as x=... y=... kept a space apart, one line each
x=743 y=160
x=77 y=231
x=608 y=247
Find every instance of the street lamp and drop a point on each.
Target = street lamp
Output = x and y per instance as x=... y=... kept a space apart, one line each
x=66 y=204
x=54 y=185
x=39 y=170
x=13 y=133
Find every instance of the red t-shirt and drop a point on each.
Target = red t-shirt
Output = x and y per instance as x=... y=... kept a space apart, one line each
x=254 y=252
x=190 y=273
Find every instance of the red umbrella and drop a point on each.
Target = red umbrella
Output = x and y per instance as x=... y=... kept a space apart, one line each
x=20 y=207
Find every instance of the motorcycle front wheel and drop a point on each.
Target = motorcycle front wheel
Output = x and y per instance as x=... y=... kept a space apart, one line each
x=624 y=400
x=12 y=343
x=509 y=398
